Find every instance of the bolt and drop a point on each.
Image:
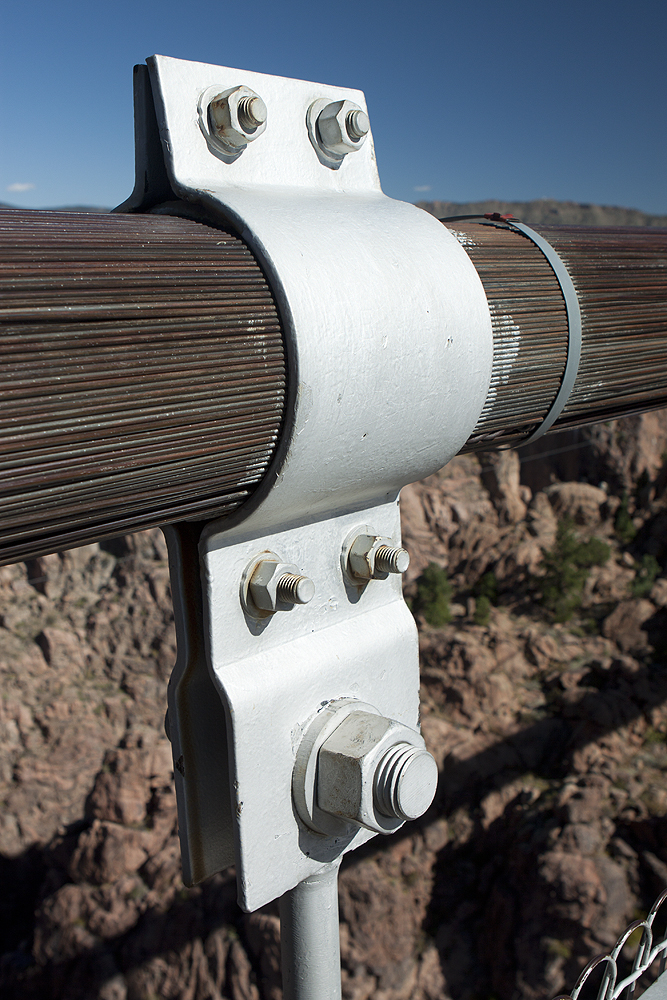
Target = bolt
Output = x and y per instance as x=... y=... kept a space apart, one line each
x=375 y=772
x=342 y=127
x=294 y=589
x=252 y=112
x=236 y=117
x=391 y=559
x=269 y=585
x=357 y=125
x=405 y=782
x=368 y=556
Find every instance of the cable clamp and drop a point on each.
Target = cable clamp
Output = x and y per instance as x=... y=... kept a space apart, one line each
x=571 y=308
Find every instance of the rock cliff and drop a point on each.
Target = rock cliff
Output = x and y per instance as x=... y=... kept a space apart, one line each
x=544 y=705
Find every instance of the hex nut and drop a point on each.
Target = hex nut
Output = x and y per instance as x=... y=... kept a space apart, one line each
x=342 y=127
x=304 y=778
x=360 y=558
x=363 y=750
x=276 y=586
x=368 y=556
x=237 y=117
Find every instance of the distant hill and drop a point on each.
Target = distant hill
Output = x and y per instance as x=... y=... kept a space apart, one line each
x=90 y=209
x=546 y=210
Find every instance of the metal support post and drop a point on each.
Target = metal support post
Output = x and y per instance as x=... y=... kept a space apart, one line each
x=309 y=938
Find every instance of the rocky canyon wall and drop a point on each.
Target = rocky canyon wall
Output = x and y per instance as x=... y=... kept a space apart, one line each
x=545 y=706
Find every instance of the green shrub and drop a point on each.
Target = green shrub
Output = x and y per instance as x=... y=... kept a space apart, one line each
x=643 y=489
x=482 y=611
x=487 y=586
x=594 y=552
x=566 y=570
x=623 y=525
x=648 y=569
x=652 y=736
x=558 y=948
x=433 y=593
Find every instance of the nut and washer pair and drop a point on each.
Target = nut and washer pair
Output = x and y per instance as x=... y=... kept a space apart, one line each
x=340 y=127
x=366 y=555
x=269 y=585
x=238 y=116
x=356 y=767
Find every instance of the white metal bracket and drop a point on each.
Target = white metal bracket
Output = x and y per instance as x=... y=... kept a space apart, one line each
x=274 y=675
x=389 y=345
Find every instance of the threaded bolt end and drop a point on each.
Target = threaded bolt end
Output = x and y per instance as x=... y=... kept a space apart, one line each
x=392 y=559
x=252 y=112
x=293 y=589
x=405 y=782
x=357 y=125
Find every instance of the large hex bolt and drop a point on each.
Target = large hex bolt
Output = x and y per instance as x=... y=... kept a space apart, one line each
x=342 y=127
x=369 y=556
x=269 y=585
x=375 y=772
x=237 y=117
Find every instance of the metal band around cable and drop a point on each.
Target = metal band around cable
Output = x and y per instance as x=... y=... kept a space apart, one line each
x=571 y=308
x=573 y=323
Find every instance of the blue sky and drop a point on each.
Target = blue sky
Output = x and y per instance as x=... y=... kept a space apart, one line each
x=467 y=100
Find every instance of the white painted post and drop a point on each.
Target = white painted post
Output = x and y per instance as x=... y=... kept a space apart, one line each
x=309 y=938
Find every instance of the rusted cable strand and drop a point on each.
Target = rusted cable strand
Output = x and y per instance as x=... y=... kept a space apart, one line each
x=142 y=376
x=620 y=279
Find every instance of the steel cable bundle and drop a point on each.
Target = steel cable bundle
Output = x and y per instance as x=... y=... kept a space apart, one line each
x=142 y=375
x=620 y=277
x=143 y=368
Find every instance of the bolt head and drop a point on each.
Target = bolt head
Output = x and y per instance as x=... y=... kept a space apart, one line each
x=237 y=117
x=347 y=765
x=342 y=127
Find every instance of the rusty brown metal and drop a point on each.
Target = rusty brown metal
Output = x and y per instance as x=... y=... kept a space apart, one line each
x=620 y=276
x=143 y=366
x=142 y=376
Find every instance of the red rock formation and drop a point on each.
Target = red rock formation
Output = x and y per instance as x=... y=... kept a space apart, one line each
x=548 y=831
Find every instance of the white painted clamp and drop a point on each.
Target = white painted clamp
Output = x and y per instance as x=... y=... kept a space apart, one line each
x=390 y=349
